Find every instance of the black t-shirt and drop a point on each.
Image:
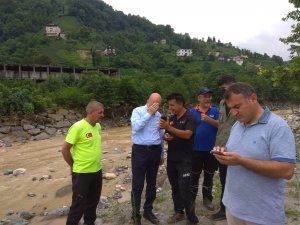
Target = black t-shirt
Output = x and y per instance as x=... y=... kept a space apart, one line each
x=181 y=149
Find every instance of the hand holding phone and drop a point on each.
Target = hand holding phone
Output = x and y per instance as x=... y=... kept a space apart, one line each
x=216 y=152
x=164 y=118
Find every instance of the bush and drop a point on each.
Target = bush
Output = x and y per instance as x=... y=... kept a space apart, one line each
x=28 y=108
x=71 y=97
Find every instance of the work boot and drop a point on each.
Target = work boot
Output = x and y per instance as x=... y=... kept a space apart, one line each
x=151 y=217
x=191 y=220
x=191 y=223
x=176 y=218
x=220 y=215
x=207 y=203
x=136 y=220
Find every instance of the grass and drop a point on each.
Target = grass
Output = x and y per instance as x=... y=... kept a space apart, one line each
x=161 y=197
x=114 y=212
x=290 y=212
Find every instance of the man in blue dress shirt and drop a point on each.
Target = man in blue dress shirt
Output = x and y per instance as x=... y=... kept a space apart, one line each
x=147 y=155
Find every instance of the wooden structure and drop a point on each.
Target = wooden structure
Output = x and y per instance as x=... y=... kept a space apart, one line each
x=38 y=72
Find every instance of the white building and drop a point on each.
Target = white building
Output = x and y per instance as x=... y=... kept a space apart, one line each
x=53 y=30
x=163 y=41
x=216 y=53
x=109 y=51
x=184 y=52
x=238 y=60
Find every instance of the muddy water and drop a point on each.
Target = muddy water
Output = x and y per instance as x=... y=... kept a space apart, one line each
x=40 y=158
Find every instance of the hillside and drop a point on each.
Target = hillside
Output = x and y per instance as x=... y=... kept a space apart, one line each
x=91 y=26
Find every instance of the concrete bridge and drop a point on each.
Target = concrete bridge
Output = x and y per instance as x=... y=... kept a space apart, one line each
x=40 y=73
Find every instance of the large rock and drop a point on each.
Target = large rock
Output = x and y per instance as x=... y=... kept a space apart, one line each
x=56 y=117
x=63 y=112
x=5 y=129
x=71 y=117
x=21 y=134
x=62 y=124
x=16 y=128
x=109 y=176
x=39 y=119
x=19 y=171
x=63 y=191
x=34 y=131
x=28 y=127
x=56 y=213
x=50 y=130
x=41 y=136
x=26 y=215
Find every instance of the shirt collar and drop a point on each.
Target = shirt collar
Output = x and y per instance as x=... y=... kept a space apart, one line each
x=265 y=116
x=263 y=119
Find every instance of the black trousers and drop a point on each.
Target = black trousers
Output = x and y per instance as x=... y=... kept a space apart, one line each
x=180 y=180
x=145 y=162
x=207 y=162
x=86 y=195
x=223 y=173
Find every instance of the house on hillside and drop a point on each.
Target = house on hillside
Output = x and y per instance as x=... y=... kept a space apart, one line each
x=238 y=60
x=244 y=56
x=53 y=30
x=163 y=41
x=216 y=53
x=221 y=59
x=258 y=67
x=109 y=51
x=184 y=52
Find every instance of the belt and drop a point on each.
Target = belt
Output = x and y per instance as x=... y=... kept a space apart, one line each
x=147 y=146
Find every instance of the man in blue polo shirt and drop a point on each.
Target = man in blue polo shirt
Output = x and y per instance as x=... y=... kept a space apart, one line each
x=260 y=154
x=204 y=140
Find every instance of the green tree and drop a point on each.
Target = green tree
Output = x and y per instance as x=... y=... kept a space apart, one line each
x=294 y=38
x=288 y=76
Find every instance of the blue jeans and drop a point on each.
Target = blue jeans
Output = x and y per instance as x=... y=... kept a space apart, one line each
x=145 y=162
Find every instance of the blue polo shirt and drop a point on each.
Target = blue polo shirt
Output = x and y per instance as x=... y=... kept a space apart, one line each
x=248 y=195
x=205 y=136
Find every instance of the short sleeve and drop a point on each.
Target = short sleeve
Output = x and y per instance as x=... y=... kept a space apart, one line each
x=72 y=135
x=191 y=123
x=282 y=144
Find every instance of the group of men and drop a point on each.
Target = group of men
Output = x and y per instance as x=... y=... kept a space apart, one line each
x=257 y=146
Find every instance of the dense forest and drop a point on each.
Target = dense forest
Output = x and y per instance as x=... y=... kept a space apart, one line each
x=144 y=52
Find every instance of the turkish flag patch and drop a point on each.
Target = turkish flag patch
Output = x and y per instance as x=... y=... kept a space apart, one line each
x=89 y=135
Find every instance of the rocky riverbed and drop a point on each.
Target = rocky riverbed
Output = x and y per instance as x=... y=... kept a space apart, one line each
x=35 y=182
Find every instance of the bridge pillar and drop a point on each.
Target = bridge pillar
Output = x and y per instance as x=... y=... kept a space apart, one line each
x=20 y=71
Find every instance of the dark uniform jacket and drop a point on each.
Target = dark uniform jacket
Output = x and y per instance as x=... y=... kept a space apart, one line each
x=226 y=121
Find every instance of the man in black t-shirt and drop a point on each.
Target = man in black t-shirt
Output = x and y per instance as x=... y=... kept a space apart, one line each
x=179 y=132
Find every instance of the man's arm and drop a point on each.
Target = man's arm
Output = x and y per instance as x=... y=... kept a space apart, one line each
x=66 y=152
x=184 y=134
x=269 y=168
x=209 y=120
x=139 y=121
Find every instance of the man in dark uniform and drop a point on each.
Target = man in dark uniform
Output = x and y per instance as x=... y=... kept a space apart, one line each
x=179 y=131
x=226 y=121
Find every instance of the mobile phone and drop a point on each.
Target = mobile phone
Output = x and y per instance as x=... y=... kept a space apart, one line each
x=216 y=152
x=164 y=118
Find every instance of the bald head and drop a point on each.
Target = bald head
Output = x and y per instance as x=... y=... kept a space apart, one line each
x=154 y=98
x=92 y=106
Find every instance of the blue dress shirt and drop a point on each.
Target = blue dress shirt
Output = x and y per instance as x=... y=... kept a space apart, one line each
x=145 y=128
